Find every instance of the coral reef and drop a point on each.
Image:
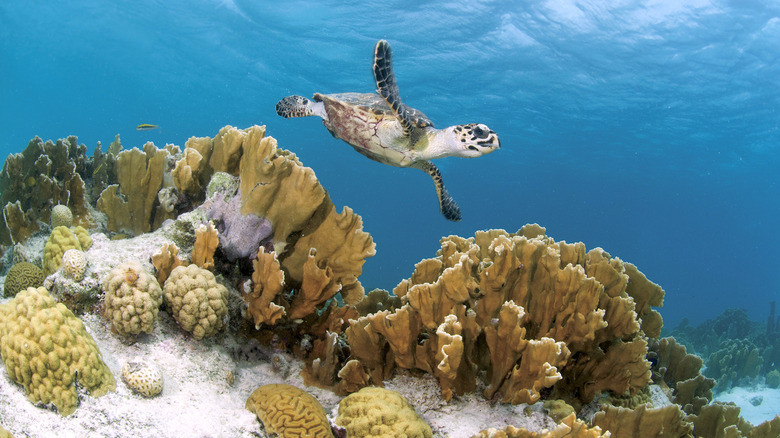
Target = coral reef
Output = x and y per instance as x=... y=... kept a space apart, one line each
x=289 y=412
x=34 y=181
x=143 y=377
x=61 y=240
x=21 y=276
x=681 y=373
x=380 y=413
x=74 y=264
x=46 y=349
x=132 y=298
x=527 y=312
x=569 y=427
x=196 y=301
x=643 y=422
x=735 y=360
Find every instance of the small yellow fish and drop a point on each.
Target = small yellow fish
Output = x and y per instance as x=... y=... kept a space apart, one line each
x=146 y=127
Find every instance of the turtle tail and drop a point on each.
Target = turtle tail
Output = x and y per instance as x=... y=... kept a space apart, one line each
x=449 y=208
x=295 y=106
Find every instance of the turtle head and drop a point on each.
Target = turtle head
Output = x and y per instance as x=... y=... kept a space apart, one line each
x=474 y=140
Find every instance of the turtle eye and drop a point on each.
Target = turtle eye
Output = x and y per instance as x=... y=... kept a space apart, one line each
x=479 y=132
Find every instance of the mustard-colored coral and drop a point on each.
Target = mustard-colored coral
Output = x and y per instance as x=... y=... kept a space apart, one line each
x=527 y=313
x=643 y=422
x=206 y=242
x=61 y=240
x=140 y=177
x=196 y=301
x=569 y=427
x=21 y=276
x=132 y=299
x=268 y=283
x=380 y=413
x=289 y=412
x=165 y=260
x=46 y=349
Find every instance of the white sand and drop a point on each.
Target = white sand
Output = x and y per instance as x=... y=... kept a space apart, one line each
x=765 y=411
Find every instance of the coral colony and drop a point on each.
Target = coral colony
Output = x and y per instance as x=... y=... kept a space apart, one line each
x=516 y=317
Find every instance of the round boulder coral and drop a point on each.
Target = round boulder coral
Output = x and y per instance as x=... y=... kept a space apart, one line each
x=74 y=264
x=21 y=276
x=61 y=216
x=143 y=377
x=196 y=301
x=378 y=413
x=132 y=299
x=46 y=349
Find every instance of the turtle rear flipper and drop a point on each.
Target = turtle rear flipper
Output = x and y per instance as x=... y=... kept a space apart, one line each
x=449 y=208
x=388 y=89
x=298 y=106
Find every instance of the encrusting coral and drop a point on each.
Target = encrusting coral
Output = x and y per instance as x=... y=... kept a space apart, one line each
x=196 y=301
x=62 y=239
x=380 y=413
x=288 y=412
x=21 y=276
x=46 y=349
x=132 y=298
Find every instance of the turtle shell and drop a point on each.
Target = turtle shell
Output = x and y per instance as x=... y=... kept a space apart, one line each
x=374 y=103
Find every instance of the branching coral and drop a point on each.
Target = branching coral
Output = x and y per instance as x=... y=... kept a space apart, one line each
x=529 y=313
x=206 y=242
x=140 y=177
x=35 y=180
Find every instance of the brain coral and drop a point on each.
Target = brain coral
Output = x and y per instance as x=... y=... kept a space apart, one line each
x=378 y=412
x=143 y=377
x=21 y=276
x=61 y=240
x=74 y=264
x=132 y=299
x=198 y=303
x=46 y=349
x=61 y=216
x=289 y=412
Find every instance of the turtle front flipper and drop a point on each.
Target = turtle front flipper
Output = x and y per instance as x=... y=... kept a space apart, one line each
x=296 y=106
x=387 y=87
x=449 y=208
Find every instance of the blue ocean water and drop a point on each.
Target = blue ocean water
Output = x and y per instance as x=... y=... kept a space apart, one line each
x=647 y=128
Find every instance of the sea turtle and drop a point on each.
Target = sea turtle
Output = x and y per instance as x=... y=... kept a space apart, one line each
x=381 y=127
